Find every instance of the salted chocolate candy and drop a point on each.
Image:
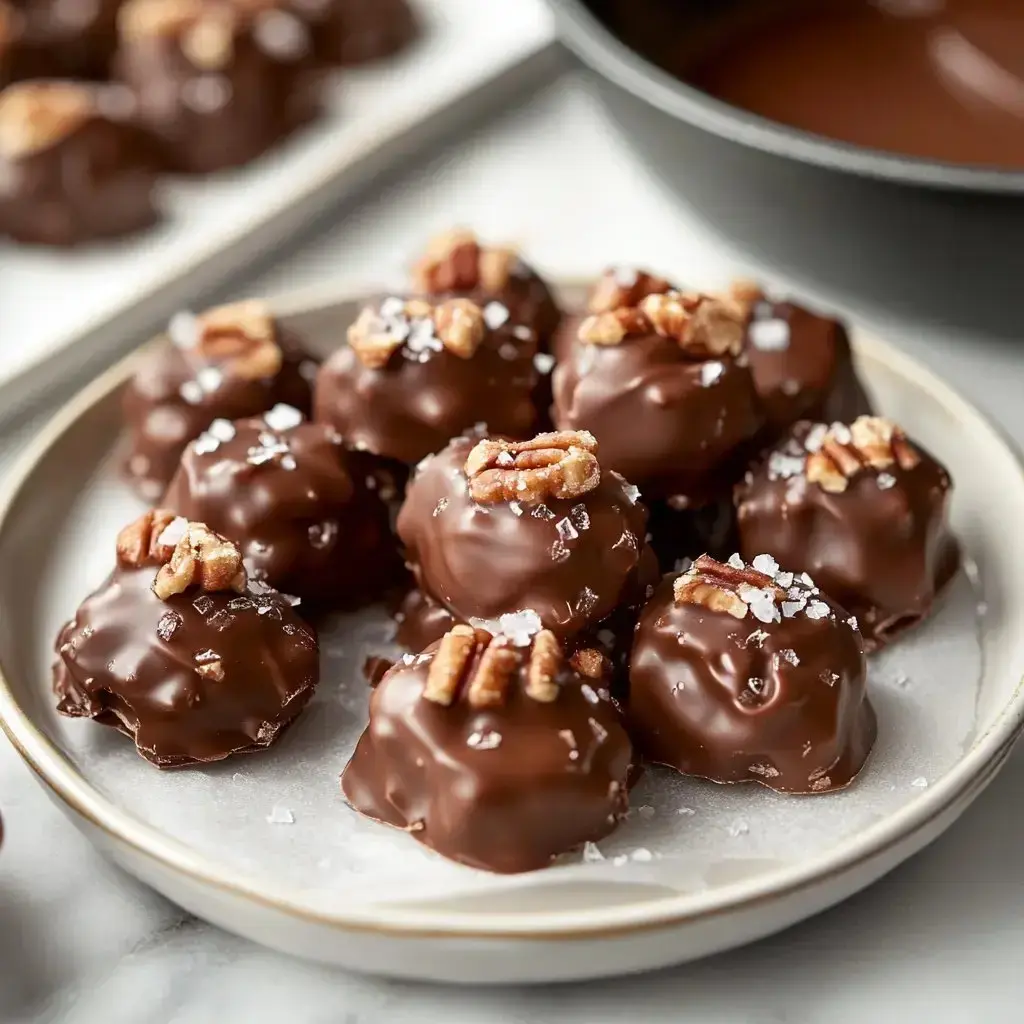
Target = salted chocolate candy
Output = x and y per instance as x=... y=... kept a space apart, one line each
x=228 y=363
x=666 y=390
x=181 y=651
x=497 y=755
x=74 y=165
x=520 y=536
x=802 y=364
x=218 y=81
x=750 y=673
x=457 y=263
x=864 y=510
x=415 y=373
x=353 y=32
x=306 y=520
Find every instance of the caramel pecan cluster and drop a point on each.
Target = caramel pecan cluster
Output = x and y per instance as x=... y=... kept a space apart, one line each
x=457 y=325
x=36 y=115
x=869 y=442
x=186 y=554
x=485 y=667
x=241 y=338
x=621 y=287
x=562 y=464
x=704 y=326
x=457 y=262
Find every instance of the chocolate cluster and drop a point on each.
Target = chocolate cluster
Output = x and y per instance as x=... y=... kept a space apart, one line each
x=287 y=493
x=750 y=673
x=181 y=651
x=495 y=754
x=227 y=363
x=74 y=165
x=864 y=510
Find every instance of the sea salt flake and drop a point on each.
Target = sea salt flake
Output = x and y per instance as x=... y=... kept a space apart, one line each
x=183 y=329
x=591 y=854
x=580 y=517
x=788 y=654
x=282 y=417
x=632 y=493
x=782 y=466
x=566 y=531
x=769 y=335
x=590 y=694
x=543 y=363
x=852 y=622
x=168 y=625
x=829 y=678
x=543 y=512
x=440 y=507
x=523 y=333
x=520 y=627
x=288 y=462
x=815 y=437
x=484 y=739
x=766 y=564
x=755 y=685
x=191 y=392
x=280 y=816
x=784 y=579
x=204 y=444
x=760 y=602
x=220 y=620
x=559 y=552
x=495 y=314
x=711 y=373
x=240 y=604
x=599 y=731
x=735 y=561
x=222 y=430
x=203 y=604
x=517 y=509
x=173 y=532
x=209 y=378
x=818 y=610
x=885 y=481
x=765 y=771
x=791 y=608
x=587 y=601
x=322 y=535
x=621 y=859
x=757 y=638
x=686 y=811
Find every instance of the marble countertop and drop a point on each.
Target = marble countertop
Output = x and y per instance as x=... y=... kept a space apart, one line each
x=939 y=939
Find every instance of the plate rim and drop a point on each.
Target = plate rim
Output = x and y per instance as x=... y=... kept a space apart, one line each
x=54 y=769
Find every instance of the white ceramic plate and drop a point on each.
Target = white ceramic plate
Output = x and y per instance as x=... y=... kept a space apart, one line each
x=472 y=59
x=331 y=887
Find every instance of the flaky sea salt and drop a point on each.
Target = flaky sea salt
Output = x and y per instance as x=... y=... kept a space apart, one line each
x=766 y=564
x=770 y=335
x=818 y=610
x=495 y=314
x=484 y=739
x=735 y=561
x=543 y=363
x=282 y=417
x=711 y=373
x=885 y=481
x=591 y=854
x=183 y=329
x=173 y=532
x=566 y=531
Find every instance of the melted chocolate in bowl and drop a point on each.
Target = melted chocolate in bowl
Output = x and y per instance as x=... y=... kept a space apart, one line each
x=937 y=79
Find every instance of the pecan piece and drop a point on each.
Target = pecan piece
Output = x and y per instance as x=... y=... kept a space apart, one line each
x=556 y=465
x=201 y=558
x=36 y=115
x=703 y=325
x=452 y=656
x=460 y=326
x=721 y=587
x=590 y=663
x=242 y=337
x=456 y=262
x=870 y=441
x=620 y=287
x=493 y=677
x=613 y=327
x=542 y=670
x=139 y=543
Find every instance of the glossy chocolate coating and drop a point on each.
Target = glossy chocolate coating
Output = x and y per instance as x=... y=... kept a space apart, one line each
x=128 y=659
x=732 y=700
x=92 y=179
x=421 y=621
x=287 y=494
x=177 y=393
x=219 y=83
x=505 y=788
x=572 y=562
x=351 y=32
x=422 y=397
x=802 y=366
x=675 y=425
x=882 y=547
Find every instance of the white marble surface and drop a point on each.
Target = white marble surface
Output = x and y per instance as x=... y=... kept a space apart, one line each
x=937 y=940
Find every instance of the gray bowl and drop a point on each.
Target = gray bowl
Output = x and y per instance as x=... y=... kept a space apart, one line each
x=931 y=242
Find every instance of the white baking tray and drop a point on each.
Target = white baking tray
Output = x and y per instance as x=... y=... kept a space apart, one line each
x=61 y=312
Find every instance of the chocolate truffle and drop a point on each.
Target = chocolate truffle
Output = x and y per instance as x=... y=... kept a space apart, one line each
x=665 y=389
x=749 y=673
x=496 y=756
x=518 y=536
x=421 y=621
x=227 y=363
x=616 y=288
x=74 y=167
x=219 y=82
x=354 y=32
x=414 y=374
x=285 y=492
x=180 y=651
x=801 y=362
x=508 y=290
x=862 y=509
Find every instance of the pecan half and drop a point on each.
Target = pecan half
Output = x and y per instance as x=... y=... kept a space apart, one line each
x=557 y=465
x=37 y=115
x=495 y=664
x=456 y=262
x=622 y=286
x=201 y=558
x=718 y=586
x=703 y=325
x=870 y=441
x=139 y=543
x=241 y=337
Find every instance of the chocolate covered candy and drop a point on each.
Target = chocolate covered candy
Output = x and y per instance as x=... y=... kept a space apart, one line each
x=74 y=166
x=863 y=509
x=227 y=363
x=494 y=277
x=218 y=81
x=353 y=32
x=421 y=621
x=495 y=755
x=802 y=364
x=519 y=536
x=414 y=374
x=183 y=653
x=287 y=493
x=750 y=673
